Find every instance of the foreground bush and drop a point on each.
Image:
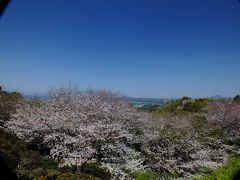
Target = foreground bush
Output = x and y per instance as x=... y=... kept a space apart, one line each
x=96 y=170
x=17 y=161
x=7 y=105
x=227 y=171
x=10 y=148
x=144 y=175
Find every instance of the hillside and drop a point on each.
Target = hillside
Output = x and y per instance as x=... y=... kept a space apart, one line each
x=97 y=135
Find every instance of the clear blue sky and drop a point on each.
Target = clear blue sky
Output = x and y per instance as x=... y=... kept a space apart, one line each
x=143 y=48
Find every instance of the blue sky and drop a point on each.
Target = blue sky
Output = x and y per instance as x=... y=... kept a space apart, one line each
x=143 y=48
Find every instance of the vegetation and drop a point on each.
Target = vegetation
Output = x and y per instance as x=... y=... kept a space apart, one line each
x=8 y=103
x=97 y=135
x=18 y=161
x=236 y=98
x=196 y=106
x=184 y=105
x=170 y=107
x=144 y=175
x=149 y=108
x=227 y=171
x=95 y=169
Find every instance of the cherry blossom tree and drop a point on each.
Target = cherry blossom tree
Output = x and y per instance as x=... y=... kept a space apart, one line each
x=79 y=125
x=226 y=115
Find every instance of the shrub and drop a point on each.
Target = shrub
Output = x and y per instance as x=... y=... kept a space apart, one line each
x=170 y=107
x=149 y=108
x=144 y=175
x=9 y=154
x=96 y=170
x=227 y=171
x=18 y=162
x=183 y=105
x=196 y=106
x=236 y=98
x=73 y=176
x=7 y=105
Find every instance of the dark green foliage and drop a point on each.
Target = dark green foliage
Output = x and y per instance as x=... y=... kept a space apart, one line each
x=9 y=156
x=18 y=162
x=34 y=165
x=149 y=108
x=95 y=170
x=11 y=148
x=236 y=98
x=196 y=106
x=36 y=144
x=5 y=172
x=7 y=104
x=71 y=176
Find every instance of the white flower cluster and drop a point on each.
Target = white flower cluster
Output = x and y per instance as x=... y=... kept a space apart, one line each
x=78 y=126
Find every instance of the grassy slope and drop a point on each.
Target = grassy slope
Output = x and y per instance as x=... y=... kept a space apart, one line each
x=227 y=171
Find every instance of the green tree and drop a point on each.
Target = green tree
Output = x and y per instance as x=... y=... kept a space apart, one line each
x=7 y=104
x=236 y=98
x=196 y=106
